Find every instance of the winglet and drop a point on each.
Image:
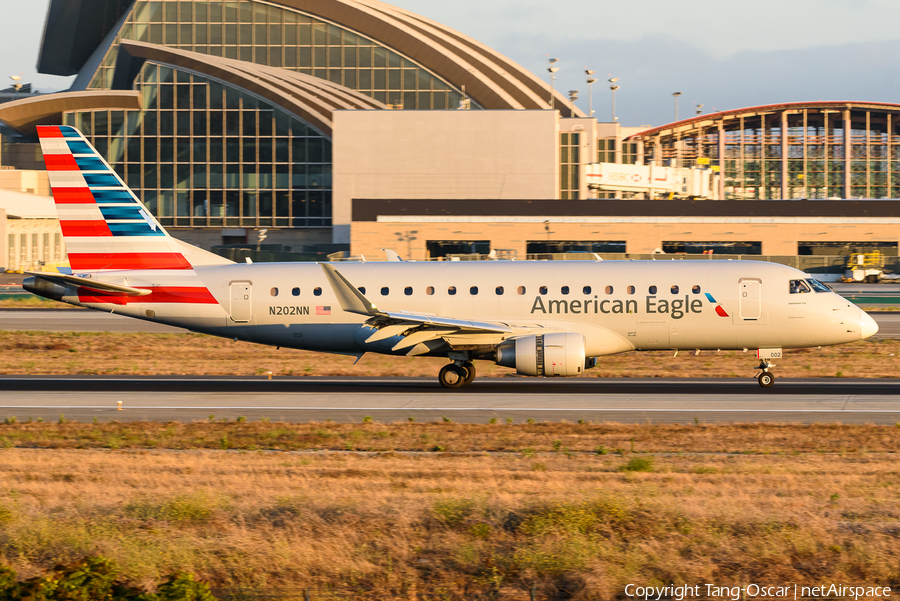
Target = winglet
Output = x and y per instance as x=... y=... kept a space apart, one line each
x=350 y=299
x=392 y=255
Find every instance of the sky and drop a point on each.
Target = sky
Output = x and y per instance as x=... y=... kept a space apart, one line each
x=724 y=54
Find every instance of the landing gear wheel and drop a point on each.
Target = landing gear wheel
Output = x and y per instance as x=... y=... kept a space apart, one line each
x=452 y=376
x=766 y=379
x=469 y=368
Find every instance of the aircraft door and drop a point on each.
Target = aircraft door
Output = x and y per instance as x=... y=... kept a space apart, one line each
x=241 y=301
x=751 y=303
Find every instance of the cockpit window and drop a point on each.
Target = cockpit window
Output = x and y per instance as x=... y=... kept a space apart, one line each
x=818 y=286
x=799 y=287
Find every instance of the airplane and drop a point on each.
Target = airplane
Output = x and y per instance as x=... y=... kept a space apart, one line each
x=543 y=319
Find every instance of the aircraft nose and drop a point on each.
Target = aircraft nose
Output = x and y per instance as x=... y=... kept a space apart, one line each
x=867 y=325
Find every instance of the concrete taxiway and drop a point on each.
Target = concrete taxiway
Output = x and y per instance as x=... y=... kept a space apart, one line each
x=397 y=399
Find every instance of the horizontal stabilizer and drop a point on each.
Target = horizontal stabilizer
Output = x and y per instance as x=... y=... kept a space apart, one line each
x=90 y=284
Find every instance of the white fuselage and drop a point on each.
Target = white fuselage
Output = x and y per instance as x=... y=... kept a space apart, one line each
x=616 y=305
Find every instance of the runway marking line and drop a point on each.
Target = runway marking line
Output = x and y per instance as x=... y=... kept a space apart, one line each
x=599 y=409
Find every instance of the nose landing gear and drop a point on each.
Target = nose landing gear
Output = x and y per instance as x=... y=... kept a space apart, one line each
x=457 y=374
x=765 y=378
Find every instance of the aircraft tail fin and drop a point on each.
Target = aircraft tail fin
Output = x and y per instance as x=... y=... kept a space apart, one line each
x=104 y=225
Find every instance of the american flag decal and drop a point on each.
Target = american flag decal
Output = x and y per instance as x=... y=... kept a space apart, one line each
x=326 y=310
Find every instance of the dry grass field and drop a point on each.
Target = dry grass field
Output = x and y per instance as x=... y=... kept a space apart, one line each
x=257 y=433
x=445 y=526
x=44 y=353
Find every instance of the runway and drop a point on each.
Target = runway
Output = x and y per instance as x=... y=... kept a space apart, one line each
x=397 y=399
x=81 y=320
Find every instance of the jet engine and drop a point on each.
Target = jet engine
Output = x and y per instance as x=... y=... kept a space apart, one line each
x=560 y=354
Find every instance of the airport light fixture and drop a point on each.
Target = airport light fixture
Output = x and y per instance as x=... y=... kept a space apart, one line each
x=553 y=70
x=590 y=82
x=16 y=85
x=699 y=109
x=676 y=95
x=613 y=89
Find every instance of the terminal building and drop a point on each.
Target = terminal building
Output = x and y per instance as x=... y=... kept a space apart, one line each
x=352 y=124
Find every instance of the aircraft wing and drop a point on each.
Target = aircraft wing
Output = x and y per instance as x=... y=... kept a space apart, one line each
x=90 y=284
x=418 y=329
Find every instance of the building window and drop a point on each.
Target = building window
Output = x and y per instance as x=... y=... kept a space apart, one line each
x=287 y=39
x=536 y=248
x=569 y=165
x=629 y=153
x=888 y=249
x=606 y=150
x=230 y=160
x=448 y=248
x=715 y=248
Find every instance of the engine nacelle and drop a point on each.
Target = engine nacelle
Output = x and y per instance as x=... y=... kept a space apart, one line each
x=546 y=355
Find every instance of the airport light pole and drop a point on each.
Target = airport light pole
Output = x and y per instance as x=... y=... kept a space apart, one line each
x=590 y=82
x=676 y=95
x=613 y=89
x=553 y=70
x=699 y=108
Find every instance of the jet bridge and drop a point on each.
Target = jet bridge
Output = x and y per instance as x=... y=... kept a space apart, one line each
x=654 y=180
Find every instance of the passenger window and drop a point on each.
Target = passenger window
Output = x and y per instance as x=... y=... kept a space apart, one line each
x=652 y=290
x=630 y=290
x=695 y=289
x=429 y=291
x=385 y=291
x=499 y=290
x=586 y=290
x=799 y=287
x=274 y=291
x=473 y=290
x=542 y=290
x=521 y=290
x=408 y=291
x=564 y=289
x=451 y=290
x=818 y=286
x=317 y=291
x=362 y=289
x=295 y=291
x=609 y=289
x=674 y=289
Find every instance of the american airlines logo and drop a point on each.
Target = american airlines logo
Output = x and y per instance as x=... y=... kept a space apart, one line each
x=675 y=308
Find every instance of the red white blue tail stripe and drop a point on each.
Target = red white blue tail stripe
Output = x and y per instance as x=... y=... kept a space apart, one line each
x=104 y=224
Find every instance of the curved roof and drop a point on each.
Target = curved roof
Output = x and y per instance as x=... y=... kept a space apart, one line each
x=492 y=80
x=765 y=109
x=310 y=98
x=25 y=115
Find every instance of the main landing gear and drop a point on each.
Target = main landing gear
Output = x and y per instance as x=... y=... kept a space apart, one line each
x=765 y=378
x=456 y=374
